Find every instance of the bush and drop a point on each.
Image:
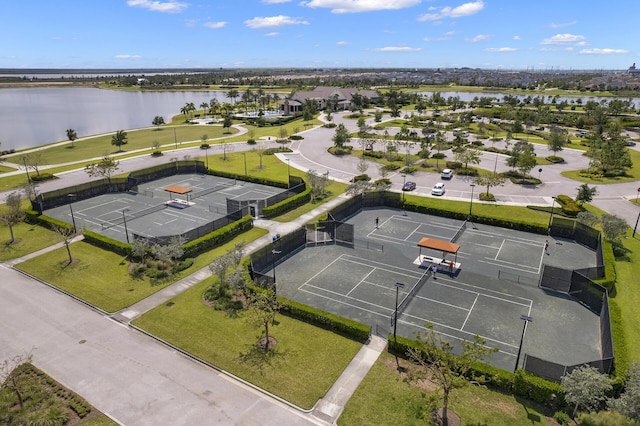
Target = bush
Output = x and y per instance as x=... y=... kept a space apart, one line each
x=181 y=266
x=561 y=417
x=439 y=155
x=569 y=206
x=345 y=150
x=251 y=141
x=217 y=237
x=271 y=151
x=408 y=170
x=296 y=137
x=205 y=146
x=386 y=181
x=43 y=177
x=536 y=388
x=555 y=159
x=486 y=196
x=157 y=154
x=329 y=125
x=391 y=167
x=107 y=243
x=374 y=154
x=365 y=177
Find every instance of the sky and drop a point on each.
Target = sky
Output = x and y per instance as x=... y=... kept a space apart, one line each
x=490 y=34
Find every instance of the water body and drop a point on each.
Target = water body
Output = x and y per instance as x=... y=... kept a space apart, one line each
x=468 y=96
x=36 y=116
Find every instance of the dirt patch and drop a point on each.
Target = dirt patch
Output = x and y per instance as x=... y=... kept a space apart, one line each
x=262 y=343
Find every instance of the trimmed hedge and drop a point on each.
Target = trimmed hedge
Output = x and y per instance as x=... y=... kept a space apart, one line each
x=326 y=320
x=610 y=275
x=107 y=243
x=217 y=237
x=568 y=205
x=48 y=222
x=521 y=383
x=288 y=204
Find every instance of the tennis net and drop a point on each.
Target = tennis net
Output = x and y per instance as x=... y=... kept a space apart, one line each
x=110 y=224
x=459 y=232
x=218 y=187
x=411 y=294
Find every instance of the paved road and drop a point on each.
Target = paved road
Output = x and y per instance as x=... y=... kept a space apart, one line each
x=129 y=376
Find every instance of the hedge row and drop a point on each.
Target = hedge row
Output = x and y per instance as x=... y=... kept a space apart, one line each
x=344 y=326
x=252 y=179
x=521 y=383
x=288 y=204
x=568 y=205
x=217 y=237
x=610 y=275
x=508 y=224
x=107 y=243
x=48 y=222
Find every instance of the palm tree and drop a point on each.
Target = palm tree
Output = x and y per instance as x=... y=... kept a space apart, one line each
x=204 y=106
x=119 y=139
x=72 y=136
x=233 y=94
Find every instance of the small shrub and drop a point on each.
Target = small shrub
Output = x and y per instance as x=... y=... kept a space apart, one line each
x=251 y=141
x=157 y=154
x=205 y=146
x=487 y=196
x=391 y=167
x=181 y=266
x=554 y=159
x=296 y=137
x=439 y=155
x=345 y=150
x=383 y=181
x=561 y=417
x=365 y=177
x=408 y=170
x=330 y=125
x=43 y=177
x=272 y=151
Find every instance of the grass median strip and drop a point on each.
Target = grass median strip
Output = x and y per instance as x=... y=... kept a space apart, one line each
x=301 y=368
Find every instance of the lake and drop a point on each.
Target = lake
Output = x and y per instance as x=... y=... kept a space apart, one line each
x=36 y=116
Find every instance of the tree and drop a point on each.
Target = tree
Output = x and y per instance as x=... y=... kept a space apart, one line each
x=119 y=139
x=556 y=140
x=72 y=136
x=341 y=137
x=233 y=94
x=585 y=193
x=226 y=124
x=11 y=379
x=158 y=121
x=585 y=387
x=139 y=248
x=14 y=214
x=261 y=152
x=490 y=181
x=263 y=307
x=442 y=366
x=318 y=184
x=34 y=160
x=204 y=106
x=526 y=162
x=467 y=156
x=104 y=168
x=66 y=234
x=168 y=252
x=613 y=227
x=629 y=402
x=587 y=218
x=229 y=272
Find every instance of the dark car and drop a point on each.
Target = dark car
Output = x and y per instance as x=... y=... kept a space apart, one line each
x=631 y=143
x=409 y=186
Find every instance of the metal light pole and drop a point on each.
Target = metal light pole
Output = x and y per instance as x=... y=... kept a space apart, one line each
x=244 y=154
x=288 y=172
x=395 y=313
x=526 y=320
x=73 y=219
x=634 y=228
x=206 y=151
x=273 y=266
x=473 y=185
x=404 y=182
x=638 y=193
x=175 y=138
x=24 y=161
x=539 y=173
x=124 y=218
x=553 y=203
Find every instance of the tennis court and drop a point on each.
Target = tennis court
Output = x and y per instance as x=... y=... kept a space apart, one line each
x=493 y=285
x=155 y=211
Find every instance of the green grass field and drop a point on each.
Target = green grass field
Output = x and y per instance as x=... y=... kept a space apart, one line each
x=306 y=362
x=30 y=238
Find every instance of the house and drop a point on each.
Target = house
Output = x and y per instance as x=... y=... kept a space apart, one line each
x=323 y=96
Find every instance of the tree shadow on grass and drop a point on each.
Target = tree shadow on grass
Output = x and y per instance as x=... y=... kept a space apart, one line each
x=258 y=358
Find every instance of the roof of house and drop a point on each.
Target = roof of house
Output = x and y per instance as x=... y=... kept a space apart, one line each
x=327 y=92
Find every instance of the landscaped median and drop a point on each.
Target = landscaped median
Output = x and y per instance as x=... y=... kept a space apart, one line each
x=301 y=368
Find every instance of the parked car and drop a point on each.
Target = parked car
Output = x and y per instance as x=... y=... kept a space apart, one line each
x=446 y=174
x=409 y=186
x=438 y=189
x=582 y=134
x=631 y=143
x=540 y=128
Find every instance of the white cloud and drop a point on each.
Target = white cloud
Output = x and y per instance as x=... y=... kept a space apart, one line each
x=215 y=25
x=429 y=39
x=465 y=9
x=397 y=49
x=128 y=57
x=272 y=34
x=159 y=6
x=190 y=23
x=273 y=21
x=603 y=51
x=500 y=49
x=342 y=43
x=388 y=32
x=478 y=38
x=560 y=39
x=357 y=6
x=562 y=25
x=516 y=37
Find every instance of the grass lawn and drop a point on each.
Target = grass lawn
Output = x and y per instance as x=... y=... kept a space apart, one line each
x=30 y=238
x=385 y=398
x=632 y=174
x=137 y=139
x=308 y=359
x=102 y=278
x=5 y=169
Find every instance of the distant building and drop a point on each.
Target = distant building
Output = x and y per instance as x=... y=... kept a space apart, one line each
x=632 y=69
x=324 y=96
